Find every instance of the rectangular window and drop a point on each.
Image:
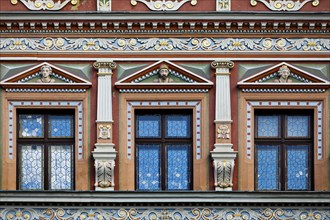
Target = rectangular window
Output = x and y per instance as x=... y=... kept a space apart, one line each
x=283 y=150
x=163 y=141
x=45 y=150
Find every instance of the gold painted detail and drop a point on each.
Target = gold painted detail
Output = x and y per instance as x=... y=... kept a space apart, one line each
x=36 y=5
x=164 y=44
x=284 y=5
x=163 y=5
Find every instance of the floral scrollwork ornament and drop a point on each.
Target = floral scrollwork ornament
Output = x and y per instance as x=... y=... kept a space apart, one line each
x=284 y=5
x=50 y=5
x=163 y=5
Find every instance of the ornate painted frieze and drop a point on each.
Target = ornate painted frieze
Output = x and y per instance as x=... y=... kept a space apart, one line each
x=51 y=5
x=284 y=5
x=46 y=104
x=135 y=213
x=164 y=5
x=204 y=44
x=290 y=104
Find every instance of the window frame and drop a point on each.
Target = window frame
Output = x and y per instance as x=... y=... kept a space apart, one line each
x=163 y=141
x=283 y=141
x=46 y=142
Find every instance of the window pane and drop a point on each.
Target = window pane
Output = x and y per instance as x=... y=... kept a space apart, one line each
x=297 y=126
x=297 y=163
x=267 y=167
x=31 y=167
x=61 y=167
x=178 y=166
x=178 y=126
x=148 y=167
x=60 y=126
x=268 y=126
x=148 y=126
x=31 y=126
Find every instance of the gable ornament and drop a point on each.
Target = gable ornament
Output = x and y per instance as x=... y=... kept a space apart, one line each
x=164 y=5
x=37 y=5
x=284 y=5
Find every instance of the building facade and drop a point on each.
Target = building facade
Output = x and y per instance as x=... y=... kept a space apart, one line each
x=191 y=109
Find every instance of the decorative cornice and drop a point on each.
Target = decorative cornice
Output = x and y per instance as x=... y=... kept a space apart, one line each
x=169 y=22
x=222 y=64
x=206 y=44
x=284 y=5
x=163 y=5
x=163 y=90
x=37 y=5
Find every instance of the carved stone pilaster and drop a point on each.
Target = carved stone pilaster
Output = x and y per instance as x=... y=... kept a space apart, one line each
x=223 y=155
x=104 y=153
x=223 y=162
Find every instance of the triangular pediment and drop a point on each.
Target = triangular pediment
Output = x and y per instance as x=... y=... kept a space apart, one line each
x=273 y=79
x=33 y=78
x=149 y=79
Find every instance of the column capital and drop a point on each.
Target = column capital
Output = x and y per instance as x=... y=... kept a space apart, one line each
x=222 y=64
x=104 y=67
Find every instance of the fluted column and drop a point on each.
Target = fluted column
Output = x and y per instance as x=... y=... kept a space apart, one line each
x=104 y=153
x=223 y=154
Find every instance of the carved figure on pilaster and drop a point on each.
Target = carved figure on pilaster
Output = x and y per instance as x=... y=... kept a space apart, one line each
x=104 y=131
x=284 y=73
x=223 y=132
x=224 y=171
x=104 y=174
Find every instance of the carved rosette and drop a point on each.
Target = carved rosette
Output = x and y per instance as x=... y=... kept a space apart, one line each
x=223 y=133
x=104 y=131
x=104 y=173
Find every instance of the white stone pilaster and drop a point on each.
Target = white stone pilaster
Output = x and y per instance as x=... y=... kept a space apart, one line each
x=104 y=153
x=223 y=154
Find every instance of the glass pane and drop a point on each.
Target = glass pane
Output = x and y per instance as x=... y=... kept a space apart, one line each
x=148 y=126
x=297 y=165
x=268 y=126
x=60 y=126
x=31 y=126
x=61 y=167
x=31 y=167
x=267 y=167
x=148 y=167
x=178 y=167
x=297 y=126
x=178 y=126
